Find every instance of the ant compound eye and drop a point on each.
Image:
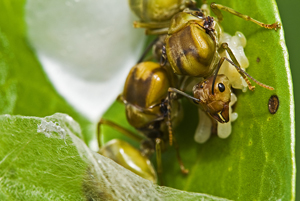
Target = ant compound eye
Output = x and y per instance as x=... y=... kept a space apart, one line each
x=221 y=87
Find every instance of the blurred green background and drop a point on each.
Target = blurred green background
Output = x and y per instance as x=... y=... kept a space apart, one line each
x=289 y=12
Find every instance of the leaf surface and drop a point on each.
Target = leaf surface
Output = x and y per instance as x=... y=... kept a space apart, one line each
x=43 y=159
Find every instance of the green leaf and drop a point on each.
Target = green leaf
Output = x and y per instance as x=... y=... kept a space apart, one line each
x=43 y=159
x=257 y=161
x=24 y=88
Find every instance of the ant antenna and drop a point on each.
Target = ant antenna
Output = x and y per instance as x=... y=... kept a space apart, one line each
x=254 y=80
x=242 y=72
x=216 y=73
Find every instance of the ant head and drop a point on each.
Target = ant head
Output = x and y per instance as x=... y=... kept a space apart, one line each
x=214 y=99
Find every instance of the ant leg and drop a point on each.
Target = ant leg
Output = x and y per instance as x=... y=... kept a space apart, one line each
x=182 y=168
x=224 y=46
x=119 y=128
x=241 y=71
x=148 y=48
x=169 y=123
x=153 y=28
x=151 y=25
x=158 y=46
x=158 y=147
x=169 y=106
x=163 y=58
x=216 y=8
x=157 y=31
x=246 y=74
x=236 y=65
